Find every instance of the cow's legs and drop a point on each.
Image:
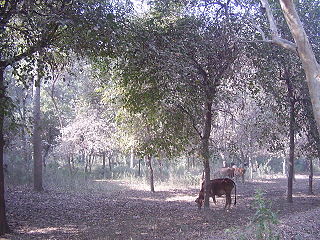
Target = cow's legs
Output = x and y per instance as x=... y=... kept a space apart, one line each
x=228 y=201
x=214 y=199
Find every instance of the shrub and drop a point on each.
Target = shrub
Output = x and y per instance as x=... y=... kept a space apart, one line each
x=264 y=219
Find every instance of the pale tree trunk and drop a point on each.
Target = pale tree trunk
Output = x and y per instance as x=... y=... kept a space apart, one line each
x=36 y=138
x=284 y=165
x=4 y=227
x=306 y=54
x=131 y=158
x=301 y=46
x=251 y=168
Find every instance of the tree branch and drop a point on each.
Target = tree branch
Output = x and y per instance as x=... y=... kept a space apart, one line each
x=46 y=39
x=192 y=120
x=276 y=37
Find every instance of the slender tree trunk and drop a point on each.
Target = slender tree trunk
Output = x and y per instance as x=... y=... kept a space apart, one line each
x=139 y=169
x=188 y=162
x=91 y=158
x=110 y=162
x=250 y=168
x=193 y=162
x=310 y=176
x=25 y=147
x=151 y=179
x=37 y=156
x=131 y=158
x=205 y=151
x=284 y=166
x=4 y=227
x=86 y=159
x=291 y=134
x=104 y=165
x=70 y=166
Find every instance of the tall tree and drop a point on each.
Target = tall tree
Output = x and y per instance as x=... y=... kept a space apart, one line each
x=178 y=62
x=27 y=27
x=301 y=46
x=37 y=146
x=12 y=52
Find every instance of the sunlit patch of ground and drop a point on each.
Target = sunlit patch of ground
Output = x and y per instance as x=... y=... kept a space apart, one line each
x=48 y=230
x=181 y=198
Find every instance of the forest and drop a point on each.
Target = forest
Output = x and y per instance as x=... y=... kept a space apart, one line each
x=116 y=116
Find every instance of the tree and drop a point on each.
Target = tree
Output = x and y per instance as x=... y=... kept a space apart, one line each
x=27 y=27
x=37 y=146
x=301 y=46
x=196 y=57
x=12 y=52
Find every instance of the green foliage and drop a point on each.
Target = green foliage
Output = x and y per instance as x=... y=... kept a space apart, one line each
x=264 y=219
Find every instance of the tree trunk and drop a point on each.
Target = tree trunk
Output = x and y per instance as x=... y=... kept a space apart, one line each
x=149 y=163
x=291 y=134
x=86 y=159
x=306 y=54
x=110 y=163
x=284 y=166
x=188 y=162
x=37 y=156
x=25 y=145
x=91 y=158
x=251 y=168
x=70 y=166
x=131 y=158
x=4 y=227
x=139 y=169
x=205 y=151
x=310 y=176
x=103 y=165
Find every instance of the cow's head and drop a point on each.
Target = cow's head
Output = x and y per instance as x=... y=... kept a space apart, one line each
x=199 y=202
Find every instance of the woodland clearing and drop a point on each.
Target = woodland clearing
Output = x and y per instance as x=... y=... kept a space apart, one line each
x=110 y=209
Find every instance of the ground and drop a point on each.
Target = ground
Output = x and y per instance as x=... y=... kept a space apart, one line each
x=124 y=210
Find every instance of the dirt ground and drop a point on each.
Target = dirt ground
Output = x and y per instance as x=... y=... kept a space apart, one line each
x=123 y=210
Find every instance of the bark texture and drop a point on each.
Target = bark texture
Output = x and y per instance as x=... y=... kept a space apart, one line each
x=292 y=101
x=151 y=177
x=310 y=189
x=205 y=150
x=36 y=138
x=4 y=228
x=306 y=54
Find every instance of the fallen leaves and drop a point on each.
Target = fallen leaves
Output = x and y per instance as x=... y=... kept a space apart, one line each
x=121 y=212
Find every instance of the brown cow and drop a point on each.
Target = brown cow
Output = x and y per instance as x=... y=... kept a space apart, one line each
x=226 y=172
x=219 y=187
x=239 y=172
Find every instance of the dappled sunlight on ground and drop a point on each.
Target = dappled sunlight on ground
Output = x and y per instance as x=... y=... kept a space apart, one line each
x=125 y=209
x=48 y=230
x=264 y=181
x=180 y=198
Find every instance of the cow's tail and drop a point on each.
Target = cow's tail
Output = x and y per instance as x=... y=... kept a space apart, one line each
x=235 y=193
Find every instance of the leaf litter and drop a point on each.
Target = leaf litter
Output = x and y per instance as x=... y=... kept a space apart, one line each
x=128 y=211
